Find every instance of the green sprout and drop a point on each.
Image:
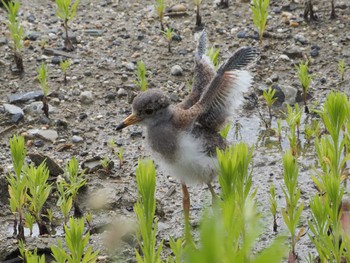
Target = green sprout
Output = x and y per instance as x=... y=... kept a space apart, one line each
x=160 y=8
x=39 y=191
x=225 y=130
x=341 y=69
x=141 y=76
x=64 y=65
x=270 y=99
x=28 y=256
x=260 y=14
x=213 y=54
x=16 y=32
x=293 y=121
x=145 y=210
x=197 y=3
x=29 y=222
x=43 y=77
x=105 y=163
x=168 y=35
x=273 y=207
x=65 y=201
x=67 y=11
x=177 y=249
x=292 y=212
x=305 y=80
x=17 y=184
x=77 y=244
x=49 y=215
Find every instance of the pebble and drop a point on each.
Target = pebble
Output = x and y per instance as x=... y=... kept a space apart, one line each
x=314 y=52
x=35 y=108
x=241 y=34
x=33 y=36
x=122 y=92
x=178 y=8
x=24 y=97
x=130 y=66
x=94 y=32
x=284 y=57
x=77 y=139
x=293 y=52
x=301 y=39
x=176 y=70
x=56 y=60
x=38 y=143
x=49 y=135
x=82 y=116
x=86 y=97
x=16 y=112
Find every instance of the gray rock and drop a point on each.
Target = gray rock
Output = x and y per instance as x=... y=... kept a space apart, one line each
x=77 y=139
x=16 y=112
x=3 y=41
x=130 y=66
x=314 y=52
x=94 y=32
x=53 y=167
x=86 y=97
x=301 y=39
x=293 y=52
x=92 y=165
x=48 y=135
x=23 y=97
x=176 y=70
x=122 y=92
x=56 y=60
x=290 y=94
x=33 y=36
x=35 y=108
x=274 y=77
x=241 y=34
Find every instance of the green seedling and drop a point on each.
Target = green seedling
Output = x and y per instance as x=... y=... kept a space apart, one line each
x=341 y=69
x=28 y=256
x=64 y=65
x=293 y=121
x=77 y=244
x=213 y=54
x=260 y=13
x=65 y=200
x=225 y=130
x=88 y=218
x=17 y=184
x=312 y=130
x=75 y=182
x=141 y=76
x=269 y=96
x=67 y=11
x=49 y=215
x=112 y=144
x=177 y=249
x=29 y=222
x=105 y=163
x=273 y=206
x=305 y=80
x=43 y=77
x=160 y=8
x=197 y=3
x=39 y=191
x=168 y=35
x=16 y=32
x=145 y=210
x=292 y=212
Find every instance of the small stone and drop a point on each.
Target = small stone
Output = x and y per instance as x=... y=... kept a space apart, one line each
x=241 y=34
x=33 y=36
x=176 y=70
x=36 y=108
x=301 y=39
x=94 y=32
x=314 y=52
x=293 y=52
x=111 y=96
x=38 y=143
x=55 y=101
x=130 y=66
x=122 y=92
x=77 y=139
x=31 y=18
x=124 y=77
x=82 y=116
x=293 y=23
x=16 y=112
x=268 y=81
x=284 y=57
x=49 y=135
x=23 y=97
x=56 y=60
x=86 y=97
x=178 y=8
x=51 y=165
x=87 y=73
x=274 y=77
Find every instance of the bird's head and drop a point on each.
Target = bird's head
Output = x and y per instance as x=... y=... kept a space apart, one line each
x=148 y=107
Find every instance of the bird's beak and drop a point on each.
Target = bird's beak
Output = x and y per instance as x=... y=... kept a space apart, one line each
x=130 y=120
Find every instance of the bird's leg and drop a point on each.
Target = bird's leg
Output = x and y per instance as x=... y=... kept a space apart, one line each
x=213 y=194
x=186 y=207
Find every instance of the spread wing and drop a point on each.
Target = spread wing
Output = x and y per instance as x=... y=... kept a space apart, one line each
x=204 y=72
x=225 y=92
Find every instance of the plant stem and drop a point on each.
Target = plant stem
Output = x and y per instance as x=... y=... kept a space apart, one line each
x=198 y=17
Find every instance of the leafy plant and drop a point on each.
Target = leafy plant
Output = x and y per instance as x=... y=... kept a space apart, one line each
x=168 y=35
x=39 y=191
x=292 y=212
x=17 y=184
x=293 y=121
x=305 y=80
x=43 y=77
x=197 y=3
x=269 y=96
x=67 y=11
x=145 y=209
x=141 y=76
x=16 y=32
x=260 y=13
x=341 y=69
x=64 y=65
x=273 y=206
x=213 y=54
x=105 y=163
x=29 y=222
x=77 y=244
x=65 y=200
x=160 y=8
x=225 y=130
x=28 y=256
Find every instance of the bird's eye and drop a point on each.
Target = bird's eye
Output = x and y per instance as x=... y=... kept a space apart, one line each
x=148 y=111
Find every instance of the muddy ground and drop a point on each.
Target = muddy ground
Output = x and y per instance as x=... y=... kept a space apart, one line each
x=111 y=36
